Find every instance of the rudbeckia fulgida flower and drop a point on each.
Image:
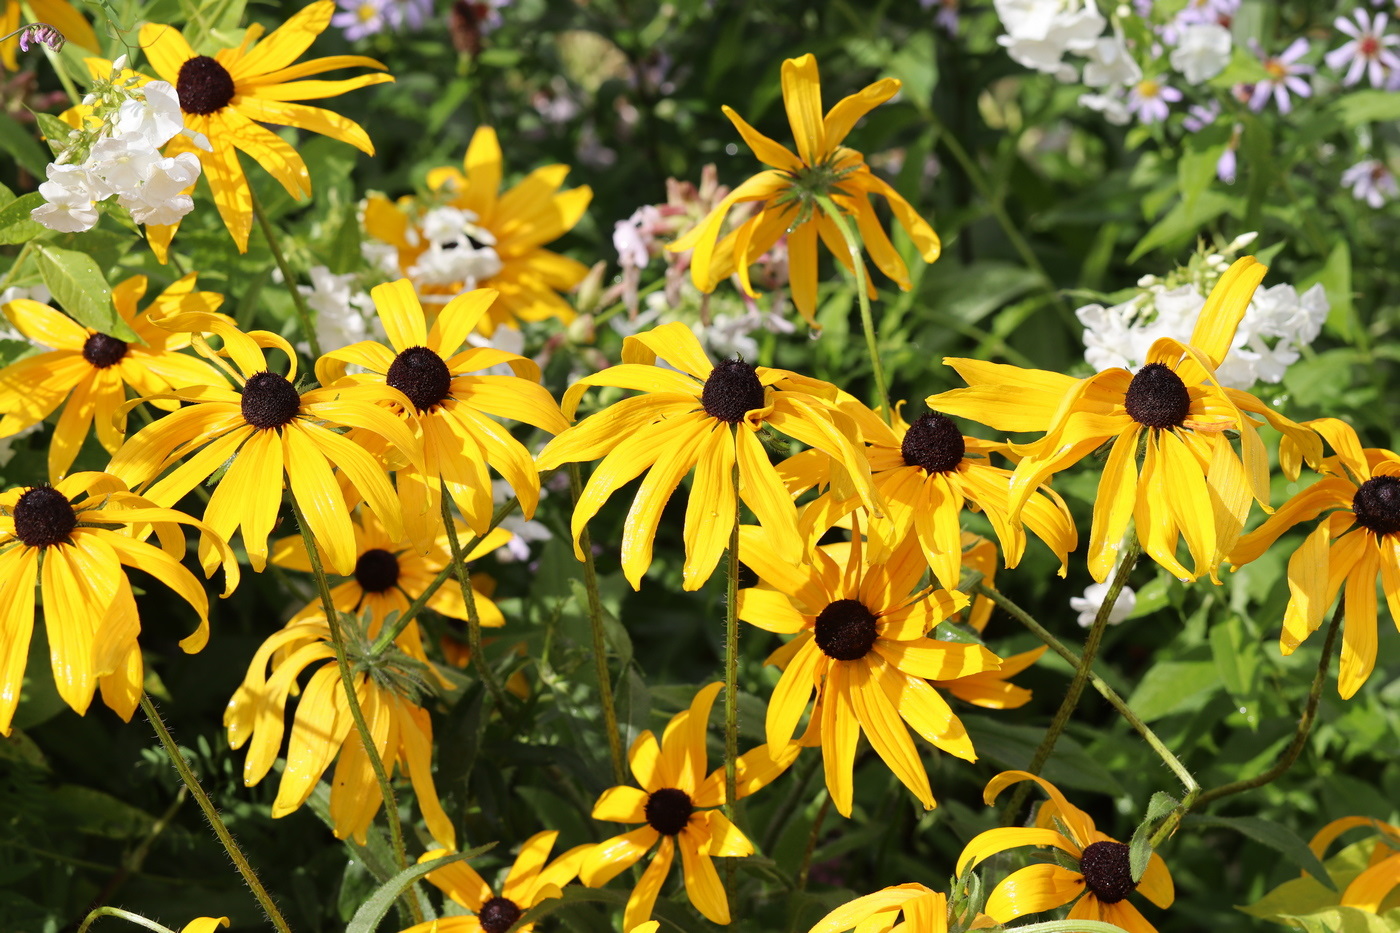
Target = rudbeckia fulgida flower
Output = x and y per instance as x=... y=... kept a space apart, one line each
x=440 y=392
x=1358 y=542
x=785 y=195
x=925 y=911
x=1099 y=885
x=702 y=415
x=1172 y=415
x=91 y=371
x=74 y=538
x=265 y=430
x=1375 y=883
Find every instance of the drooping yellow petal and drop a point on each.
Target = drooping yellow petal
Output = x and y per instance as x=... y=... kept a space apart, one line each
x=643 y=897
x=992 y=841
x=702 y=884
x=1359 y=641
x=1225 y=306
x=1032 y=890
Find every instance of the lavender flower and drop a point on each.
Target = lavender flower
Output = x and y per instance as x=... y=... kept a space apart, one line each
x=1201 y=116
x=1284 y=75
x=38 y=34
x=361 y=18
x=1368 y=51
x=1371 y=181
x=1149 y=99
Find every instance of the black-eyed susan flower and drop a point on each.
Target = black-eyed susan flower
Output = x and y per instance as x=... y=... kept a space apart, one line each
x=861 y=646
x=387 y=685
x=1099 y=886
x=227 y=97
x=994 y=689
x=91 y=371
x=786 y=195
x=705 y=416
x=449 y=402
x=60 y=14
x=1191 y=483
x=73 y=539
x=264 y=431
x=676 y=804
x=469 y=234
x=1355 y=544
x=531 y=879
x=925 y=911
x=1381 y=876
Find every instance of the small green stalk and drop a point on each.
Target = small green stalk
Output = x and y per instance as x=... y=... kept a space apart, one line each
x=459 y=567
x=867 y=320
x=124 y=915
x=298 y=300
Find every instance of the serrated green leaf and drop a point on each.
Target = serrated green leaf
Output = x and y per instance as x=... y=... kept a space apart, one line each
x=1279 y=838
x=81 y=289
x=367 y=918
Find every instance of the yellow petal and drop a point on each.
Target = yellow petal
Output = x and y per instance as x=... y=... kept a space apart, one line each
x=710 y=511
x=1032 y=890
x=401 y=314
x=802 y=98
x=1359 y=633
x=702 y=883
x=1225 y=306
x=643 y=897
x=999 y=840
x=883 y=726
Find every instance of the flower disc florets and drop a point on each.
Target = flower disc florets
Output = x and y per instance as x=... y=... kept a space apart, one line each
x=269 y=400
x=204 y=86
x=934 y=443
x=1376 y=505
x=103 y=351
x=731 y=391
x=1157 y=397
x=1107 y=872
x=377 y=570
x=668 y=810
x=845 y=630
x=420 y=374
x=44 y=517
x=497 y=914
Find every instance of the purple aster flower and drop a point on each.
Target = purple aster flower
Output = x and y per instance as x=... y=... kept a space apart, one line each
x=1149 y=99
x=1368 y=51
x=1371 y=181
x=1201 y=116
x=361 y=18
x=1284 y=75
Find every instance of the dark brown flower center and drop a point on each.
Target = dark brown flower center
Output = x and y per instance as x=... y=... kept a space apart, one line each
x=103 y=351
x=934 y=443
x=44 y=517
x=269 y=400
x=731 y=391
x=845 y=630
x=668 y=810
x=1107 y=872
x=497 y=914
x=1377 y=505
x=1157 y=397
x=377 y=570
x=420 y=374
x=204 y=86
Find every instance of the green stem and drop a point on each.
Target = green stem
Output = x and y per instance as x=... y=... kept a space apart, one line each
x=303 y=312
x=352 y=700
x=595 y=624
x=20 y=257
x=1081 y=677
x=187 y=775
x=867 y=320
x=459 y=567
x=123 y=914
x=812 y=837
x=796 y=794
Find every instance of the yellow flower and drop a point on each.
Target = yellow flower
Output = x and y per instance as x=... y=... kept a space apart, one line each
x=1103 y=876
x=386 y=687
x=73 y=539
x=502 y=236
x=267 y=429
x=204 y=925
x=443 y=399
x=705 y=416
x=1354 y=545
x=785 y=193
x=91 y=370
x=529 y=882
x=1368 y=890
x=229 y=95
x=1191 y=483
x=925 y=911
x=861 y=647
x=993 y=689
x=676 y=804
x=57 y=13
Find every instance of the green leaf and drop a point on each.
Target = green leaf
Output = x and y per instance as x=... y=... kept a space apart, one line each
x=1174 y=687
x=1011 y=748
x=1140 y=850
x=55 y=134
x=1304 y=895
x=1340 y=920
x=1183 y=222
x=916 y=65
x=20 y=143
x=367 y=918
x=1236 y=658
x=1279 y=838
x=1335 y=279
x=15 y=225
x=1368 y=107
x=81 y=290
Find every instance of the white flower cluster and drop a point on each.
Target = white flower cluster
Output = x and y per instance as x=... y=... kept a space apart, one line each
x=1277 y=324
x=344 y=315
x=119 y=155
x=458 y=249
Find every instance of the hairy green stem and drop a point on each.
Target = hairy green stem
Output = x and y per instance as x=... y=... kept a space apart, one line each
x=124 y=915
x=187 y=775
x=464 y=580
x=867 y=320
x=298 y=300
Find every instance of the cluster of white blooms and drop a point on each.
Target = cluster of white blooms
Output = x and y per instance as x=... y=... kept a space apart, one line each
x=118 y=155
x=1089 y=604
x=458 y=250
x=1277 y=324
x=344 y=314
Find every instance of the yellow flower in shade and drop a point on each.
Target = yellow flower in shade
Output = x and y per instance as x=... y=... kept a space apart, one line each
x=861 y=647
x=57 y=13
x=785 y=195
x=1103 y=876
x=204 y=925
x=229 y=95
x=529 y=882
x=1191 y=483
x=73 y=538
x=925 y=911
x=91 y=370
x=448 y=400
x=676 y=803
x=264 y=431
x=704 y=416
x=1357 y=543
x=1370 y=889
x=387 y=687
x=500 y=241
